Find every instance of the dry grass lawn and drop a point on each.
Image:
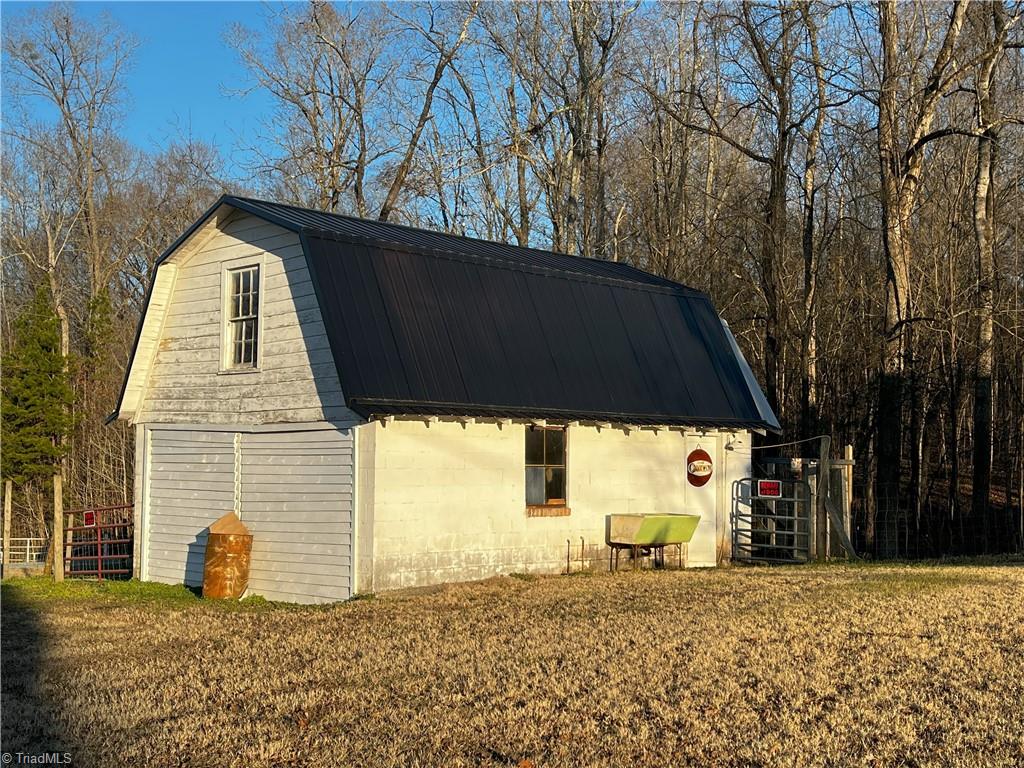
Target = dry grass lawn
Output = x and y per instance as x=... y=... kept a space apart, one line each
x=831 y=666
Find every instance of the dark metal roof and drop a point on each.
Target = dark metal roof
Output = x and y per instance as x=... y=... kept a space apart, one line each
x=423 y=332
x=369 y=230
x=424 y=323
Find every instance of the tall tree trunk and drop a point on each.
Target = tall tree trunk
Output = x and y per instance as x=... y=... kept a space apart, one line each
x=983 y=372
x=772 y=244
x=57 y=296
x=901 y=169
x=984 y=214
x=808 y=346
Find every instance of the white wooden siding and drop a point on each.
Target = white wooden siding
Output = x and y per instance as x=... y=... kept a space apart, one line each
x=191 y=484
x=297 y=501
x=296 y=497
x=296 y=381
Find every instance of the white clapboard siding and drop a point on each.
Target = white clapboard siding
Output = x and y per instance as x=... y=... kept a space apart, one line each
x=191 y=484
x=296 y=381
x=297 y=491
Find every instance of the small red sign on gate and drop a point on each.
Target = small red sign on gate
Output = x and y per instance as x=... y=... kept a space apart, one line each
x=769 y=489
x=89 y=518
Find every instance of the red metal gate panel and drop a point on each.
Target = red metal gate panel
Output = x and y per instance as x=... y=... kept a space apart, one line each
x=98 y=542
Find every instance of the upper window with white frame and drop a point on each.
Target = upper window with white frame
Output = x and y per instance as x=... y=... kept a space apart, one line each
x=243 y=306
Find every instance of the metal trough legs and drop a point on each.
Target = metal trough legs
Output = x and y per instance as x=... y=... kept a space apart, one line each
x=639 y=550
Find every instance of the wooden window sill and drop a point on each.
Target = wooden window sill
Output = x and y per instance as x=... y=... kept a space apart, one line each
x=547 y=510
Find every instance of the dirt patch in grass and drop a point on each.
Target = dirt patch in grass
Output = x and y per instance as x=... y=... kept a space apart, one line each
x=878 y=666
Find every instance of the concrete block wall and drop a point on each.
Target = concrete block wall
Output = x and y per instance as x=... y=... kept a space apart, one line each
x=447 y=501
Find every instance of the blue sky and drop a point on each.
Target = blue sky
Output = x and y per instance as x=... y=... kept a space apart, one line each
x=182 y=72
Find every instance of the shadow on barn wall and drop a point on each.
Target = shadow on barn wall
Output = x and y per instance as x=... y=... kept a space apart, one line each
x=195 y=559
x=32 y=718
x=319 y=358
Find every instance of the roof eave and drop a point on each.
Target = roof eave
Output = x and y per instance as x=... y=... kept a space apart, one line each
x=373 y=408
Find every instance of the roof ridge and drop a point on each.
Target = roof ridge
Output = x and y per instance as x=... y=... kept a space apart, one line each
x=468 y=238
x=513 y=266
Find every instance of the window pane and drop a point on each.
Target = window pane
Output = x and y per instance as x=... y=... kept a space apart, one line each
x=243 y=304
x=534 y=446
x=554 y=486
x=554 y=452
x=535 y=485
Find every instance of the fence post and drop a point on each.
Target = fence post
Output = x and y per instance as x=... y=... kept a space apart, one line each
x=848 y=490
x=821 y=491
x=811 y=478
x=57 y=539
x=8 y=486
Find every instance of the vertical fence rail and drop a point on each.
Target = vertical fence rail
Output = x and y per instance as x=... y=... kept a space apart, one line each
x=100 y=544
x=58 y=527
x=7 y=525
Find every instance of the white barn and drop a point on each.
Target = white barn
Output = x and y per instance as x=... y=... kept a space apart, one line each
x=389 y=407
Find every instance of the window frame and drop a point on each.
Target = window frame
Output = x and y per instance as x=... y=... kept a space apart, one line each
x=550 y=507
x=227 y=365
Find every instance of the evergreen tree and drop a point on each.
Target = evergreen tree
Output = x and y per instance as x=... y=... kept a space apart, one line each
x=37 y=396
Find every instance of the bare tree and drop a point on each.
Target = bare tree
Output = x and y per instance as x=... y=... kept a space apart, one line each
x=995 y=24
x=904 y=130
x=41 y=217
x=446 y=51
x=330 y=77
x=77 y=67
x=770 y=37
x=812 y=264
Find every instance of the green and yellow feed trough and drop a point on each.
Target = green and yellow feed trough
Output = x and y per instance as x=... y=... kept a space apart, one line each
x=640 y=533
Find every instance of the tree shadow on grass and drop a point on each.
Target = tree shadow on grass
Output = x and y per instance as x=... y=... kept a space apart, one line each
x=32 y=721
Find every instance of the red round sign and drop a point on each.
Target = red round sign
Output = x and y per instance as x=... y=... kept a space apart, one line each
x=699 y=467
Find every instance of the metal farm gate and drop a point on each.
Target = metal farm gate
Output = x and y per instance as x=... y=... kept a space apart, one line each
x=98 y=542
x=771 y=521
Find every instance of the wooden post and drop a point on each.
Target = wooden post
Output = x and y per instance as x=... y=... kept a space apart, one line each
x=70 y=523
x=8 y=485
x=837 y=528
x=821 y=491
x=848 y=494
x=813 y=521
x=57 y=538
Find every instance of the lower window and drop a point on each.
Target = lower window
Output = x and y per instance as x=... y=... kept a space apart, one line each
x=545 y=466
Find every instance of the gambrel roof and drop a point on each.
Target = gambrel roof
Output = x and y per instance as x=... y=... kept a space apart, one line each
x=425 y=323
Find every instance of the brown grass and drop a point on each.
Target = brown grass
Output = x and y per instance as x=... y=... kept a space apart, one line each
x=879 y=666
